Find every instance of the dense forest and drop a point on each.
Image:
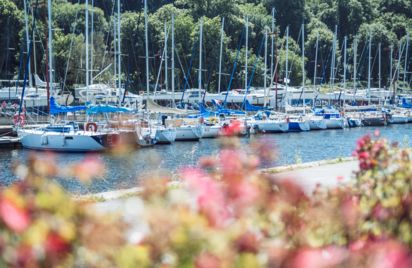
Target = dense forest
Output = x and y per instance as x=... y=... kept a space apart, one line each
x=385 y=22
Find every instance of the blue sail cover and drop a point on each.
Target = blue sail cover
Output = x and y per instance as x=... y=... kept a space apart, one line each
x=252 y=108
x=225 y=111
x=405 y=104
x=100 y=109
x=59 y=109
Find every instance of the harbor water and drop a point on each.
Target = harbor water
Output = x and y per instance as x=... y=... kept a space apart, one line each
x=126 y=172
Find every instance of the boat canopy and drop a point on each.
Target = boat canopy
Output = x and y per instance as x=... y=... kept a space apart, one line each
x=100 y=109
x=252 y=108
x=156 y=108
x=59 y=109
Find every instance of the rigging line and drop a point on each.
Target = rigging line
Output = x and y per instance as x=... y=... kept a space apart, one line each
x=71 y=48
x=234 y=66
x=187 y=77
x=253 y=70
x=108 y=36
x=276 y=65
x=127 y=83
x=291 y=64
x=161 y=64
x=27 y=65
x=360 y=65
x=374 y=60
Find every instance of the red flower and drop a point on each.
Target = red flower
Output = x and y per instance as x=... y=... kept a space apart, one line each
x=55 y=244
x=248 y=242
x=234 y=128
x=14 y=217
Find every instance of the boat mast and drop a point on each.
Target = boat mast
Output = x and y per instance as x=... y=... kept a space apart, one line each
x=200 y=59
x=222 y=31
x=265 y=70
x=303 y=64
x=50 y=47
x=119 y=65
x=380 y=64
x=246 y=55
x=86 y=28
x=34 y=46
x=166 y=67
x=272 y=56
x=114 y=50
x=173 y=61
x=147 y=52
x=406 y=59
x=332 y=67
x=287 y=65
x=91 y=44
x=380 y=74
x=27 y=39
x=316 y=67
x=355 y=57
x=391 y=67
x=369 y=68
x=345 y=44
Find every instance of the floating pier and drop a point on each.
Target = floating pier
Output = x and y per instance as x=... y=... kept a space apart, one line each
x=9 y=142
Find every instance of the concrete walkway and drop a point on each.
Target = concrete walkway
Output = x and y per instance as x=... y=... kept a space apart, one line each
x=328 y=175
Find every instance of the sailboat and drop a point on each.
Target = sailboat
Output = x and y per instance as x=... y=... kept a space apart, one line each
x=64 y=136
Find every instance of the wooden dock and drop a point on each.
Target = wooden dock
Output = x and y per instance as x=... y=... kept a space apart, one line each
x=9 y=142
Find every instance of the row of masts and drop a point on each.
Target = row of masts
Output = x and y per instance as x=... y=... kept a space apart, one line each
x=117 y=49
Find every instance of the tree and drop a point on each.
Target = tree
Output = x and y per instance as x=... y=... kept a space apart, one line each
x=288 y=12
x=11 y=21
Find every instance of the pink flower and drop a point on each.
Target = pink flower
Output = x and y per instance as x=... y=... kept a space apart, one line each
x=380 y=213
x=243 y=193
x=91 y=167
x=377 y=133
x=390 y=254
x=319 y=257
x=207 y=260
x=14 y=217
x=210 y=197
x=232 y=162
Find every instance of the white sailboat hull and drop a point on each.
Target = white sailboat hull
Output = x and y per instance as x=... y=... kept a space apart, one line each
x=189 y=133
x=317 y=124
x=165 y=136
x=271 y=126
x=335 y=123
x=398 y=119
x=211 y=132
x=62 y=142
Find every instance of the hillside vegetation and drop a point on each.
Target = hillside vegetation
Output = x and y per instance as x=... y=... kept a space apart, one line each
x=386 y=21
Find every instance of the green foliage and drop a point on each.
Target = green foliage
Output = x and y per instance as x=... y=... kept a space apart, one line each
x=387 y=20
x=10 y=23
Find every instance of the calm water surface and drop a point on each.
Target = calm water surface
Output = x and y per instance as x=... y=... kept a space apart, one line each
x=125 y=172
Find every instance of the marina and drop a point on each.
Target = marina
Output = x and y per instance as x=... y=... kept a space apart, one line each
x=126 y=172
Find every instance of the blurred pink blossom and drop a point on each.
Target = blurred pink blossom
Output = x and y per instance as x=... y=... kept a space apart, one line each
x=14 y=217
x=210 y=198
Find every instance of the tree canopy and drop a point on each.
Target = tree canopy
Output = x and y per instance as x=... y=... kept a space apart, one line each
x=387 y=22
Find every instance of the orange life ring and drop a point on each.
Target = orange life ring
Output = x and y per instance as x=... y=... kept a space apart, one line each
x=91 y=126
